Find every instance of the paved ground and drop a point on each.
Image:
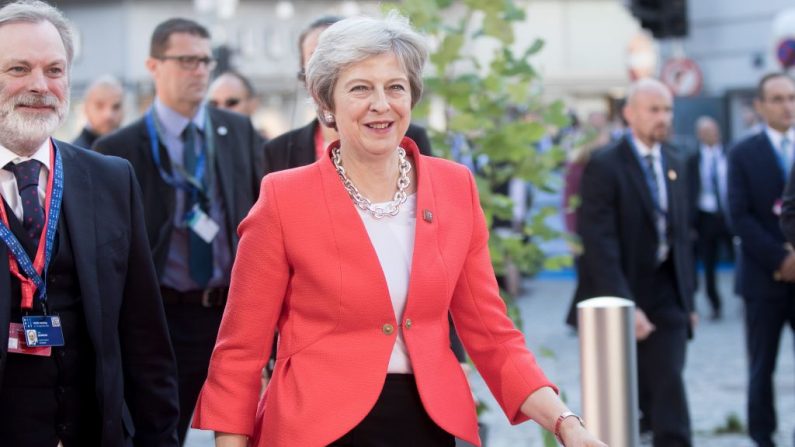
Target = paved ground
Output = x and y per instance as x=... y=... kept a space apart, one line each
x=715 y=374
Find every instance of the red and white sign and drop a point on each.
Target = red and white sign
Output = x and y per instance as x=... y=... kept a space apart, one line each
x=682 y=76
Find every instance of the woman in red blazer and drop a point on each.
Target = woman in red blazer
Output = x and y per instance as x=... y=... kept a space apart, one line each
x=356 y=259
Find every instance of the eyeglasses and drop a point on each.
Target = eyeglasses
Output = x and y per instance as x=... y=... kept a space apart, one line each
x=228 y=103
x=191 y=62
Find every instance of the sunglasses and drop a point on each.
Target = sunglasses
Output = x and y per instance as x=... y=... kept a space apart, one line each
x=228 y=103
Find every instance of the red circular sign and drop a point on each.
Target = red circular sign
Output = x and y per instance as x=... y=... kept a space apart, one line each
x=682 y=76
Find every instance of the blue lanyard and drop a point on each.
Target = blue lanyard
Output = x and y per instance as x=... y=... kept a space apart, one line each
x=192 y=183
x=54 y=211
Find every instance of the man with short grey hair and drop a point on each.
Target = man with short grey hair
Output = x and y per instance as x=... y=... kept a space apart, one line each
x=85 y=356
x=103 y=109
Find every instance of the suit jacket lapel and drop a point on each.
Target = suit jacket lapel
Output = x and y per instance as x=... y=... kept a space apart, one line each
x=79 y=212
x=302 y=148
x=224 y=140
x=638 y=178
x=5 y=298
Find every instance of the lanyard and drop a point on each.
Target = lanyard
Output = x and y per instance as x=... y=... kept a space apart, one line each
x=192 y=183
x=32 y=281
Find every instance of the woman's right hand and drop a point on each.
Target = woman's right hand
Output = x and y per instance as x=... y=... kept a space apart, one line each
x=575 y=435
x=230 y=440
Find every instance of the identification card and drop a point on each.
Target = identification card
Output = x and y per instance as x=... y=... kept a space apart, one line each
x=17 y=344
x=201 y=224
x=42 y=330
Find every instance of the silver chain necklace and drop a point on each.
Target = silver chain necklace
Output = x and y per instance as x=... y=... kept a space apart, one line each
x=390 y=209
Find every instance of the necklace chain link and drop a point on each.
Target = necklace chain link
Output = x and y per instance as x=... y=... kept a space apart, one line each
x=390 y=209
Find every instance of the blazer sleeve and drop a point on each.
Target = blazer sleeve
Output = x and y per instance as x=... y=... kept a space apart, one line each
x=228 y=400
x=788 y=211
x=759 y=244
x=496 y=347
x=150 y=375
x=598 y=230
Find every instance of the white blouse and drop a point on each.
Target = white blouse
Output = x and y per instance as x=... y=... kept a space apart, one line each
x=393 y=241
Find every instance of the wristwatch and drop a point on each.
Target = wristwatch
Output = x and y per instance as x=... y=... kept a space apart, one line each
x=563 y=416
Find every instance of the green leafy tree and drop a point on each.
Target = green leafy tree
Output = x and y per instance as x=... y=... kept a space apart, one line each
x=494 y=104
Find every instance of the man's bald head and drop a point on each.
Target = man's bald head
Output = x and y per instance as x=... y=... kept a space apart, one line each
x=649 y=111
x=103 y=105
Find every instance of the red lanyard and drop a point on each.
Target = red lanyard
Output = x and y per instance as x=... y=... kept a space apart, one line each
x=27 y=286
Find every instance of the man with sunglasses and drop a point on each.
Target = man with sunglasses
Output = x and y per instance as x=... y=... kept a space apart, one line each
x=199 y=170
x=234 y=92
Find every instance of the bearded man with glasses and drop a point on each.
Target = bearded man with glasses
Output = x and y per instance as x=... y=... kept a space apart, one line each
x=199 y=169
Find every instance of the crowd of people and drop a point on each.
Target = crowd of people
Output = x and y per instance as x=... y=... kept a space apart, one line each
x=326 y=287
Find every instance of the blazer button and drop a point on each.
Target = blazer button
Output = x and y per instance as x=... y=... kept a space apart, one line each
x=388 y=329
x=408 y=323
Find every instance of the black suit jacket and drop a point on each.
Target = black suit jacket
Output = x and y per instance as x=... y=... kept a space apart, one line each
x=239 y=169
x=136 y=383
x=86 y=139
x=616 y=222
x=297 y=147
x=756 y=184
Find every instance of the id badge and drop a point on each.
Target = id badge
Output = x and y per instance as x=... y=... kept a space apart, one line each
x=42 y=330
x=18 y=345
x=201 y=224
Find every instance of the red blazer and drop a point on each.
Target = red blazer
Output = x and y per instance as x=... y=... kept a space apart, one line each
x=305 y=266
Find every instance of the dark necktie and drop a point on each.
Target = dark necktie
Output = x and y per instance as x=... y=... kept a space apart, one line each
x=27 y=176
x=660 y=221
x=200 y=253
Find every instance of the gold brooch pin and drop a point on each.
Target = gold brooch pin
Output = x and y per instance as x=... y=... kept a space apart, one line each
x=672 y=175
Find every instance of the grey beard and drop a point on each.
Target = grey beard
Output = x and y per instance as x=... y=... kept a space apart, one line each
x=24 y=136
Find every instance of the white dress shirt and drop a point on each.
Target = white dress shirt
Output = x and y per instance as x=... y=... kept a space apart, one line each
x=8 y=183
x=708 y=197
x=777 y=137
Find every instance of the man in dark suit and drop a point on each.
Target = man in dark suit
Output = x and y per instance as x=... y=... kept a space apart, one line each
x=103 y=108
x=707 y=172
x=199 y=170
x=758 y=168
x=634 y=225
x=85 y=358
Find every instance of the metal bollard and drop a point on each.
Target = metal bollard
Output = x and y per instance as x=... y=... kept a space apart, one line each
x=609 y=370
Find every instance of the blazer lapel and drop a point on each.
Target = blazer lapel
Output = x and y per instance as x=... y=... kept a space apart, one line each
x=638 y=178
x=426 y=257
x=353 y=241
x=79 y=211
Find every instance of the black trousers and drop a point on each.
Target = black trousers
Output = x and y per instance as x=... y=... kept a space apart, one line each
x=661 y=363
x=193 y=329
x=398 y=419
x=712 y=234
x=765 y=319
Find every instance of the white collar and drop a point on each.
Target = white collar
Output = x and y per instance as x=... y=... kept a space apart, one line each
x=644 y=150
x=42 y=154
x=776 y=137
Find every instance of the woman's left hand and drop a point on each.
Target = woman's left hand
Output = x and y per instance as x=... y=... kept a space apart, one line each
x=575 y=435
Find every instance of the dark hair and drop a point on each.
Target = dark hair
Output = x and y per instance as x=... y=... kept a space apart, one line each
x=247 y=85
x=760 y=87
x=319 y=23
x=164 y=30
